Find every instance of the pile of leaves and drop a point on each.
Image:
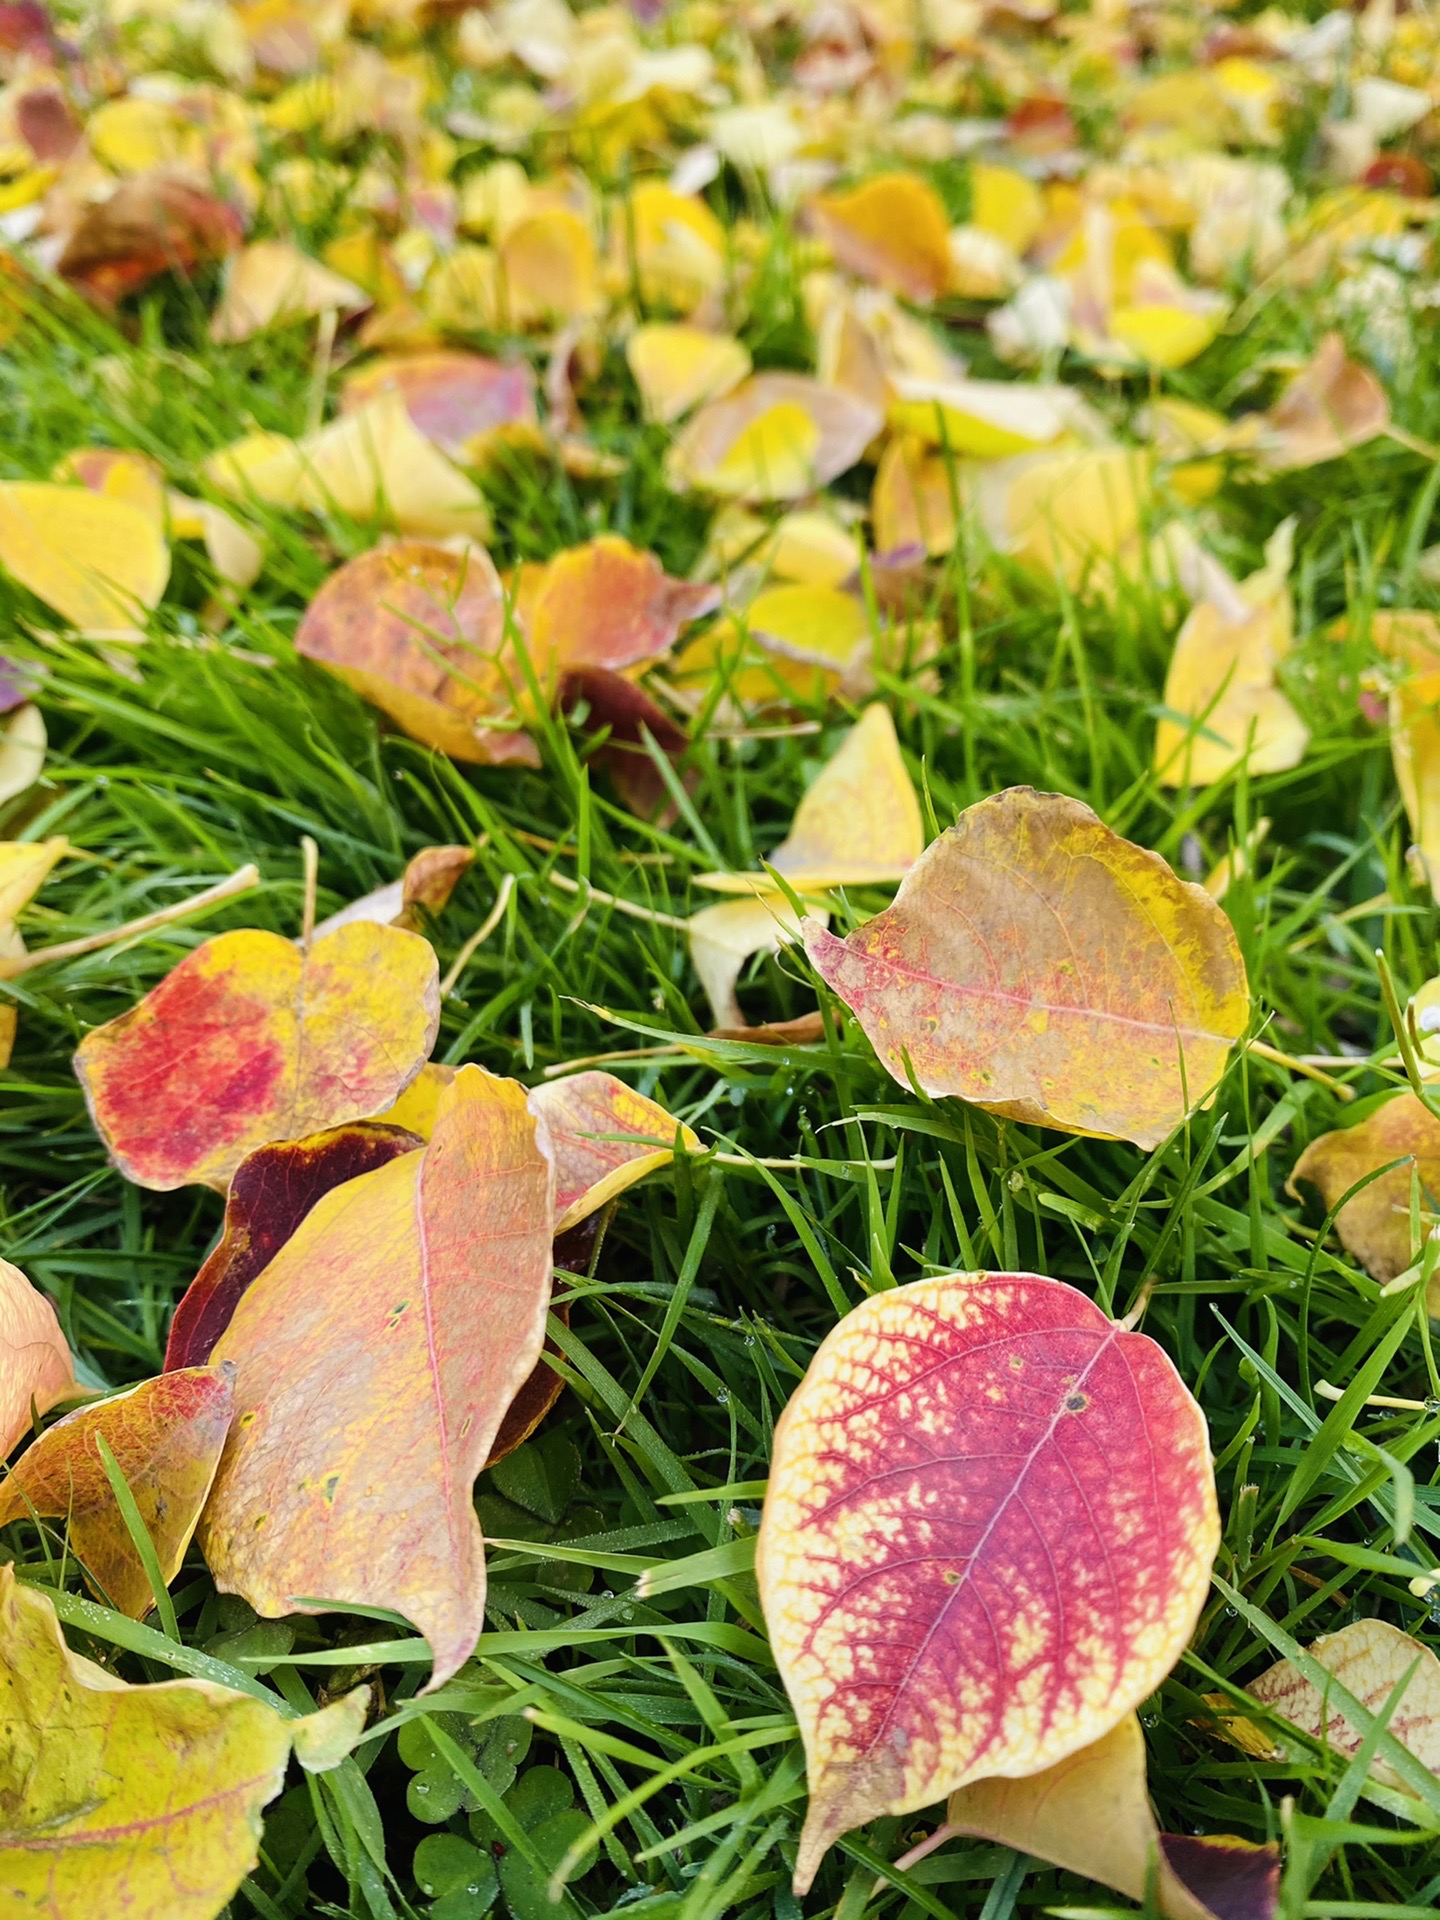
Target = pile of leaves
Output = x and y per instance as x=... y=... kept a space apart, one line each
x=720 y=754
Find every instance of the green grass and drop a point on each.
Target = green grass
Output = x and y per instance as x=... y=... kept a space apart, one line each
x=649 y=1736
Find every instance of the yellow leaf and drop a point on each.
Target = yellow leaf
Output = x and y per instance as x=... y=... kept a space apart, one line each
x=987 y=418
x=891 y=229
x=603 y=1137
x=22 y=750
x=1007 y=204
x=547 y=268
x=24 y=866
x=141 y=1800
x=101 y=563
x=270 y=282
x=669 y=243
x=678 y=367
x=725 y=936
x=1401 y=1134
x=776 y=436
x=1066 y=512
x=916 y=497
x=1091 y=1815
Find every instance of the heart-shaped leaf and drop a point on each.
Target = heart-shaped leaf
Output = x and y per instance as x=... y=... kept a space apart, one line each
x=988 y=1535
x=1043 y=968
x=252 y=1039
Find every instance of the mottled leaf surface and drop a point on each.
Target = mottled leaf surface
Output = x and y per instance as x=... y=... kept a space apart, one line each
x=252 y=1039
x=165 y=1437
x=988 y=1534
x=376 y=1356
x=1042 y=967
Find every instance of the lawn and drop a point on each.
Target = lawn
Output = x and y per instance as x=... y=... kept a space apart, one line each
x=622 y=1716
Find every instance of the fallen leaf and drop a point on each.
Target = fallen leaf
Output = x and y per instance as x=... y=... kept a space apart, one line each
x=165 y=1436
x=35 y=1365
x=678 y=367
x=141 y=1800
x=422 y=892
x=891 y=229
x=100 y=562
x=1332 y=405
x=1069 y=512
x=250 y=1040
x=858 y=824
x=603 y=1138
x=1369 y=1658
x=988 y=1536
x=669 y=247
x=573 y=1252
x=724 y=937
x=1091 y=1815
x=1415 y=752
x=270 y=283
x=25 y=865
x=803 y=1031
x=419 y=631
x=1039 y=966
x=369 y=1313
x=627 y=712
x=988 y=419
x=372 y=464
x=151 y=224
x=547 y=269
x=917 y=497
x=776 y=436
x=321 y=1740
x=607 y=604
x=1221 y=679
x=461 y=401
x=1374 y=1226
x=22 y=750
x=271 y=1192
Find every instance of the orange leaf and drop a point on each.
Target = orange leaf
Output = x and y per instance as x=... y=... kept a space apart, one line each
x=166 y=1435
x=272 y=1191
x=365 y=1405
x=607 y=604
x=891 y=229
x=1038 y=965
x=424 y=888
x=988 y=1535
x=1332 y=405
x=151 y=224
x=251 y=1040
x=35 y=1365
x=604 y=1137
x=419 y=631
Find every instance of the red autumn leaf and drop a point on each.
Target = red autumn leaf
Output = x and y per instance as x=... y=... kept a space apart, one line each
x=252 y=1039
x=376 y=1356
x=165 y=1436
x=455 y=399
x=272 y=1191
x=152 y=224
x=988 y=1536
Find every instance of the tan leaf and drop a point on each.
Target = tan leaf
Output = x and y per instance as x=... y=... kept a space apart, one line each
x=271 y=282
x=1369 y=1659
x=1091 y=1815
x=1332 y=405
x=1375 y=1225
